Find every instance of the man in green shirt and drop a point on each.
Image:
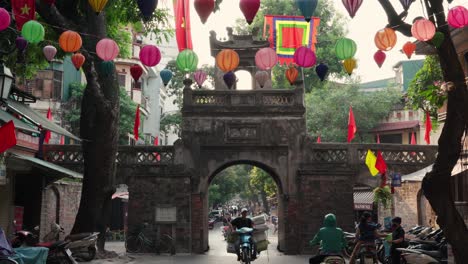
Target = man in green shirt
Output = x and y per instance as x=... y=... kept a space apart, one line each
x=331 y=239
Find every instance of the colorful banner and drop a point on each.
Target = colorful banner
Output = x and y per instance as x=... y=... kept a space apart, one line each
x=23 y=10
x=287 y=33
x=182 y=24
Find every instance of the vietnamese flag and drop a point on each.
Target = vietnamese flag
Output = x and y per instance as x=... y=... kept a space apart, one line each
x=136 y=126
x=380 y=164
x=319 y=139
x=427 y=135
x=413 y=142
x=156 y=143
x=182 y=24
x=351 y=125
x=23 y=11
x=7 y=136
x=48 y=134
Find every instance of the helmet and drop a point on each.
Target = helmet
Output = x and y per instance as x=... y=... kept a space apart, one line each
x=244 y=210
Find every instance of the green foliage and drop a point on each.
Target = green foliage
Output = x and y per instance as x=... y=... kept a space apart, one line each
x=425 y=90
x=383 y=195
x=262 y=182
x=171 y=122
x=328 y=108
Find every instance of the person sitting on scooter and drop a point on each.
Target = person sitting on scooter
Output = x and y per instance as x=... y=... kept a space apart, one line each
x=239 y=223
x=331 y=239
x=398 y=240
x=366 y=233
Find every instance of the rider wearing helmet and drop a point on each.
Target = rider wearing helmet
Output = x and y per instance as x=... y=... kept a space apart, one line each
x=331 y=239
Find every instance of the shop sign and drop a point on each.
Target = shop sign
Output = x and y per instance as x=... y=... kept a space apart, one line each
x=166 y=214
x=362 y=206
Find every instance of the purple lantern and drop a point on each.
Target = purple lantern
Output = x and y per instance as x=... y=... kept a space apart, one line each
x=49 y=52
x=352 y=6
x=4 y=19
x=321 y=71
x=406 y=4
x=305 y=57
x=200 y=77
x=21 y=44
x=229 y=79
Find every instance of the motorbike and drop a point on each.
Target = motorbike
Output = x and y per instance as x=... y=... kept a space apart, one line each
x=246 y=244
x=367 y=254
x=83 y=245
x=225 y=231
x=333 y=260
x=419 y=256
x=211 y=223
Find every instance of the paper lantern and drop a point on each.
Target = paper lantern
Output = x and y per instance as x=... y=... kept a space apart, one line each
x=385 y=39
x=345 y=48
x=147 y=8
x=321 y=71
x=229 y=79
x=262 y=77
x=49 y=52
x=21 y=44
x=150 y=55
x=187 y=61
x=457 y=17
x=406 y=4
x=204 y=8
x=107 y=67
x=352 y=6
x=423 y=29
x=200 y=77
x=4 y=19
x=107 y=49
x=349 y=65
x=70 y=41
x=97 y=5
x=166 y=76
x=409 y=49
x=136 y=71
x=379 y=58
x=33 y=31
x=78 y=60
x=438 y=39
x=307 y=8
x=304 y=57
x=291 y=74
x=227 y=60
x=266 y=58
x=249 y=8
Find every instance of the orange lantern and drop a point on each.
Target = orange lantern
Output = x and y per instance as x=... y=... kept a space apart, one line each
x=423 y=29
x=409 y=48
x=291 y=74
x=70 y=41
x=227 y=60
x=78 y=60
x=385 y=39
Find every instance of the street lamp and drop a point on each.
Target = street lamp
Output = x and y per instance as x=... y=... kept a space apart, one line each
x=6 y=80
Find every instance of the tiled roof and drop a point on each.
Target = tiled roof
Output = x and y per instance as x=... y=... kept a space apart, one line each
x=396 y=126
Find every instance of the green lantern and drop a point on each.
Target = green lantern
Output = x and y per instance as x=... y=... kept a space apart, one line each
x=345 y=48
x=33 y=31
x=438 y=39
x=107 y=67
x=187 y=61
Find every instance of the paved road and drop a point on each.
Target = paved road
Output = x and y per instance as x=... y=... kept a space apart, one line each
x=216 y=255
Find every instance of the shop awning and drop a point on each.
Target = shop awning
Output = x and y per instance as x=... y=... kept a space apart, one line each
x=36 y=118
x=22 y=163
x=363 y=200
x=6 y=117
x=419 y=175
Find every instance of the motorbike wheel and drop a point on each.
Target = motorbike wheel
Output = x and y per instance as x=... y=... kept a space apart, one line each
x=133 y=244
x=245 y=255
x=90 y=255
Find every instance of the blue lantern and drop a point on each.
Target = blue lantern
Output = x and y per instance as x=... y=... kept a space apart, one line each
x=166 y=76
x=307 y=8
x=321 y=71
x=147 y=8
x=396 y=179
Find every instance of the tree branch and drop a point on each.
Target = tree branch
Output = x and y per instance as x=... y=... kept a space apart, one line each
x=394 y=20
x=52 y=15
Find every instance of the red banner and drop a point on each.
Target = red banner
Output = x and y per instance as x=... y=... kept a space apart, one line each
x=7 y=136
x=182 y=24
x=23 y=10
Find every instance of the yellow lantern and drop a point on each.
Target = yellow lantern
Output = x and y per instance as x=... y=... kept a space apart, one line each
x=349 y=65
x=97 y=5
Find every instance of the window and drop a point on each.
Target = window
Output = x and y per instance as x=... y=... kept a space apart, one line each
x=391 y=138
x=58 y=75
x=122 y=79
x=47 y=85
x=137 y=85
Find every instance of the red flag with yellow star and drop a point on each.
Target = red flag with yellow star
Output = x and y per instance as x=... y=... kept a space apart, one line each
x=23 y=10
x=182 y=24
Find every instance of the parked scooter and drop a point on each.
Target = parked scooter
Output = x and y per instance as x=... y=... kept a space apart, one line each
x=419 y=256
x=367 y=254
x=83 y=245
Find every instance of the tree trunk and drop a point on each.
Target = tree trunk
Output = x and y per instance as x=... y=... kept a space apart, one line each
x=266 y=207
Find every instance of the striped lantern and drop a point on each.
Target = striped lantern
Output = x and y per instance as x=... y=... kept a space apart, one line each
x=227 y=60
x=423 y=29
x=97 y=5
x=385 y=39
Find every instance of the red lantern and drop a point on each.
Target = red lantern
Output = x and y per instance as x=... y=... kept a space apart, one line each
x=458 y=17
x=379 y=57
x=266 y=58
x=78 y=60
x=136 y=71
x=204 y=8
x=150 y=55
x=249 y=8
x=305 y=57
x=291 y=75
x=423 y=29
x=409 y=48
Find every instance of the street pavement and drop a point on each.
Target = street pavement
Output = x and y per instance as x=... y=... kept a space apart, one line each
x=216 y=255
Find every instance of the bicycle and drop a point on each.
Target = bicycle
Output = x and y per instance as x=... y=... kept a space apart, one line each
x=137 y=242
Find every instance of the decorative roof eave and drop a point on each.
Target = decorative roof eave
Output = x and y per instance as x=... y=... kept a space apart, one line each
x=235 y=42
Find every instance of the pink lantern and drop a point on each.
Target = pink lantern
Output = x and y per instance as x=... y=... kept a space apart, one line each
x=107 y=49
x=4 y=19
x=262 y=77
x=200 y=77
x=305 y=57
x=379 y=57
x=423 y=29
x=266 y=58
x=458 y=17
x=150 y=55
x=249 y=8
x=352 y=6
x=49 y=52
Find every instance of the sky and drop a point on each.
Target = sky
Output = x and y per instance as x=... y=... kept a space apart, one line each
x=362 y=28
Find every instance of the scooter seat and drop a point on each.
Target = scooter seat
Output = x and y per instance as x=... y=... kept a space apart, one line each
x=45 y=244
x=79 y=236
x=433 y=253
